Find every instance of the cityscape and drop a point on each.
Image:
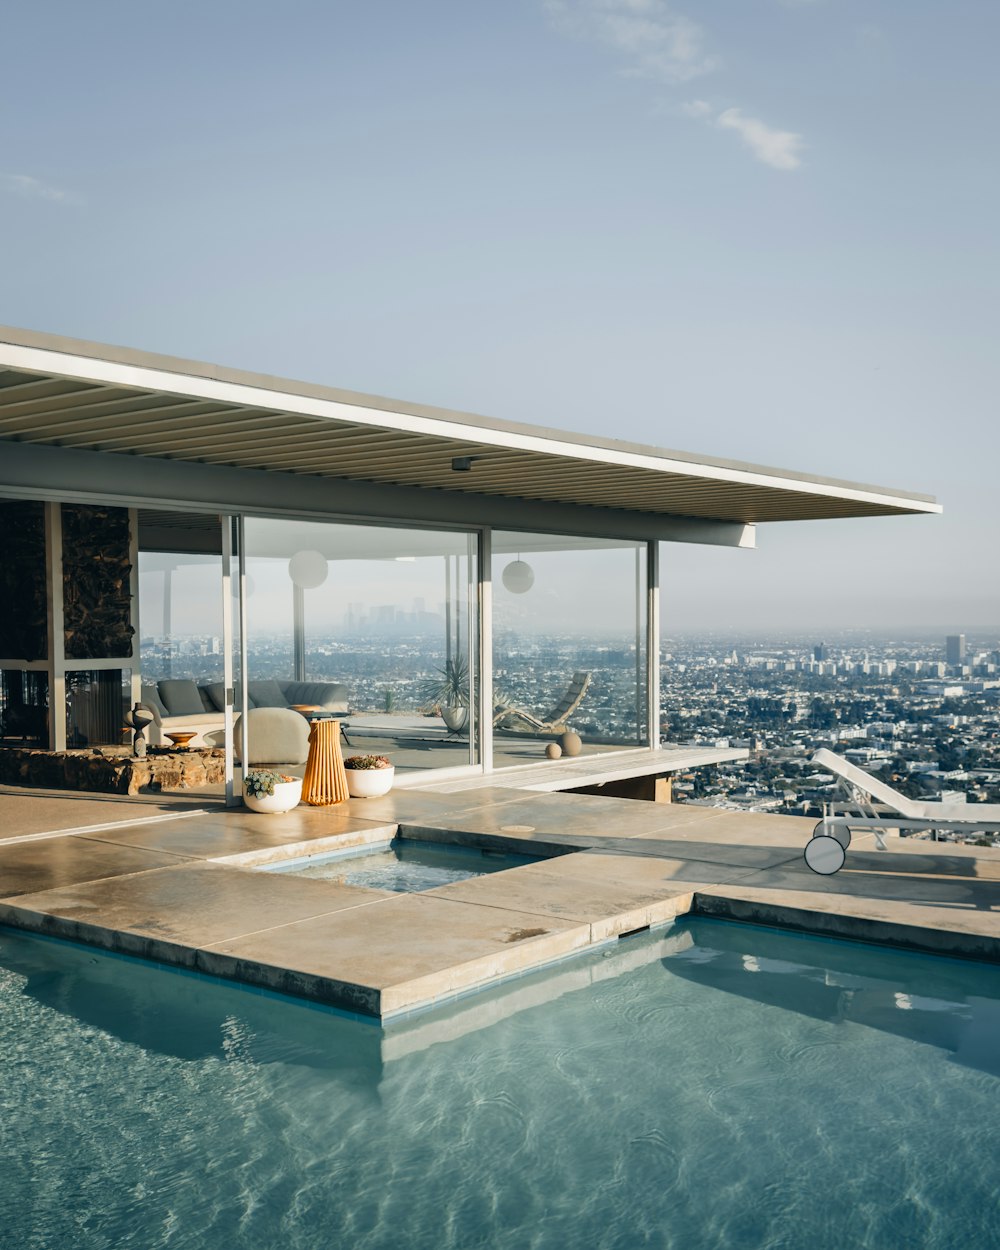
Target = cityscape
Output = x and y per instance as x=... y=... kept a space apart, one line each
x=921 y=713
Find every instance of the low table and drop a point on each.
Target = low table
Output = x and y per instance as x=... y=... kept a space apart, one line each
x=313 y=712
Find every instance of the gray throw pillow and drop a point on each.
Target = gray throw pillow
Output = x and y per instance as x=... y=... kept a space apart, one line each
x=266 y=693
x=181 y=698
x=216 y=691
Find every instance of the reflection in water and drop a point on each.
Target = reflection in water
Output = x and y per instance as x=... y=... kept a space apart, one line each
x=956 y=1008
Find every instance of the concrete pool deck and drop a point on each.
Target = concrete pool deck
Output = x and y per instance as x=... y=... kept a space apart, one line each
x=181 y=888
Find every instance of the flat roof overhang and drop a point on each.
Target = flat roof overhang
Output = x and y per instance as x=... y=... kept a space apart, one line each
x=65 y=393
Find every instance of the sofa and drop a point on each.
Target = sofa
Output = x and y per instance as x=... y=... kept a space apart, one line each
x=180 y=705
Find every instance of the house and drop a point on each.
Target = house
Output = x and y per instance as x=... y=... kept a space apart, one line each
x=168 y=521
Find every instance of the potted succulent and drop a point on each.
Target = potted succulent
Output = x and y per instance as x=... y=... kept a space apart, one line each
x=266 y=791
x=450 y=692
x=368 y=776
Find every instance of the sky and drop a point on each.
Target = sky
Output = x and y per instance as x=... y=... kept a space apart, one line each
x=757 y=229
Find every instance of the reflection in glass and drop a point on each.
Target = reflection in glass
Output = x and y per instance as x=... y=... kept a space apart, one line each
x=375 y=618
x=96 y=703
x=569 y=643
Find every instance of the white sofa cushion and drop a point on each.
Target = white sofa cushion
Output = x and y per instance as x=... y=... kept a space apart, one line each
x=275 y=735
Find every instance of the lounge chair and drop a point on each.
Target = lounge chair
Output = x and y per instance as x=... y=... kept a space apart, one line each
x=507 y=717
x=826 y=849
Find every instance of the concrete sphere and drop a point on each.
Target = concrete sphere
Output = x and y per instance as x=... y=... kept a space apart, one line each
x=570 y=743
x=553 y=750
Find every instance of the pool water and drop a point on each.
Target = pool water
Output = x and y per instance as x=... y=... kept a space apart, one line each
x=706 y=1086
x=405 y=865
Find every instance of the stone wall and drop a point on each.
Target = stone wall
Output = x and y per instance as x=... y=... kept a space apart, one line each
x=112 y=770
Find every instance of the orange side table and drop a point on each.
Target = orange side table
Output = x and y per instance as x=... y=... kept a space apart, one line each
x=325 y=779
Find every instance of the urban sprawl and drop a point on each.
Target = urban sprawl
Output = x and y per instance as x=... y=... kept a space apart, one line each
x=919 y=713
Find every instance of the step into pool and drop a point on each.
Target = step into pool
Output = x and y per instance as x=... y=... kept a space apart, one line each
x=404 y=865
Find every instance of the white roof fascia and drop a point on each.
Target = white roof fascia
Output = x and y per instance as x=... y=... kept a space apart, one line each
x=46 y=361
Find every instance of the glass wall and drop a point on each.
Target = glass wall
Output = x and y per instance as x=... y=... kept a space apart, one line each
x=180 y=620
x=373 y=621
x=569 y=644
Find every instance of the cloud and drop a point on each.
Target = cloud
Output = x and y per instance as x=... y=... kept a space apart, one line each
x=32 y=188
x=657 y=42
x=778 y=148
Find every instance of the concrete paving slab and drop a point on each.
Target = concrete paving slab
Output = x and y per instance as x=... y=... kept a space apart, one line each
x=611 y=904
x=704 y=852
x=655 y=871
x=167 y=913
x=944 y=927
x=719 y=825
x=28 y=867
x=420 y=805
x=574 y=820
x=872 y=876
x=250 y=836
x=397 y=954
x=30 y=811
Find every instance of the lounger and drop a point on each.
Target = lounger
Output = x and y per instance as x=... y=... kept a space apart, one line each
x=827 y=848
x=506 y=717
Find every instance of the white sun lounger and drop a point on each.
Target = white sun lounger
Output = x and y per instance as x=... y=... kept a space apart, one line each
x=826 y=849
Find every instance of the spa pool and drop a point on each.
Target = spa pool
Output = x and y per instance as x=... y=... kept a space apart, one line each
x=403 y=865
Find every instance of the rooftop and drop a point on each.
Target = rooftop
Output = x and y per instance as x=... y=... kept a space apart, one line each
x=59 y=392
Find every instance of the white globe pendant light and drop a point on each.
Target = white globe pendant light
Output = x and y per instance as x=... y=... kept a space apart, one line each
x=518 y=576
x=308 y=569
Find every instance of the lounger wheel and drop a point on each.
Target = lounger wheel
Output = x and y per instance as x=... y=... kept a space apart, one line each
x=841 y=832
x=825 y=854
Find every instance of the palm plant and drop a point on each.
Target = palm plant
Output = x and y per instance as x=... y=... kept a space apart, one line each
x=450 y=688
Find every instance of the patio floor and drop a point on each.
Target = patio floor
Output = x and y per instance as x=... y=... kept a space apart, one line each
x=177 y=886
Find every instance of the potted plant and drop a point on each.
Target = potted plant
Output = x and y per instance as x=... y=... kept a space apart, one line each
x=368 y=776
x=450 y=691
x=266 y=791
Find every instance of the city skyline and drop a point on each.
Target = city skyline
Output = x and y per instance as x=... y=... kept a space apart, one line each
x=761 y=239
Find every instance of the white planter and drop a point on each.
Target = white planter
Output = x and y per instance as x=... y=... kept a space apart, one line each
x=287 y=794
x=369 y=783
x=455 y=718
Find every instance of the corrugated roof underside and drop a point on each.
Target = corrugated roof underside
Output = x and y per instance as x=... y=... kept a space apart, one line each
x=59 y=411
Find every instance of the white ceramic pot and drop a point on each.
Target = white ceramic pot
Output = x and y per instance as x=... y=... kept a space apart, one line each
x=287 y=794
x=369 y=783
x=455 y=718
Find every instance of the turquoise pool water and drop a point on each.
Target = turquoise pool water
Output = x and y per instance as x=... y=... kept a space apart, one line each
x=405 y=866
x=710 y=1086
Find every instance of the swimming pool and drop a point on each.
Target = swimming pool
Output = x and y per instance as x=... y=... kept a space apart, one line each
x=404 y=865
x=710 y=1085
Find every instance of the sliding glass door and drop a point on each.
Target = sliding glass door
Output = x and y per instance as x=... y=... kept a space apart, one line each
x=377 y=622
x=569 y=644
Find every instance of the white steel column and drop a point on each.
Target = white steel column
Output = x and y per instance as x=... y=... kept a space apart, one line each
x=241 y=541
x=485 y=634
x=653 y=641
x=226 y=526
